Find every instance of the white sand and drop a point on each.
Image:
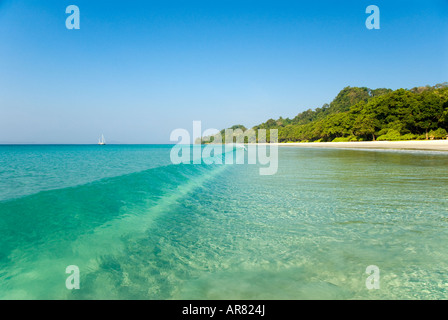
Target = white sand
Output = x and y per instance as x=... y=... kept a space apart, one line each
x=438 y=145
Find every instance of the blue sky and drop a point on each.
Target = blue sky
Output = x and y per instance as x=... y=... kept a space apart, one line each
x=137 y=70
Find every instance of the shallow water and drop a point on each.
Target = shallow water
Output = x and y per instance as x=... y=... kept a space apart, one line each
x=140 y=228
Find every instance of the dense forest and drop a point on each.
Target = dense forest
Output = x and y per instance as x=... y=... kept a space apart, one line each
x=363 y=114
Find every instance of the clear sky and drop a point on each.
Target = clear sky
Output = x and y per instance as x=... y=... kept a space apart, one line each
x=136 y=70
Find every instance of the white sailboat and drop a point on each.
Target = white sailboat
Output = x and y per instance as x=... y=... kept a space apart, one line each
x=102 y=141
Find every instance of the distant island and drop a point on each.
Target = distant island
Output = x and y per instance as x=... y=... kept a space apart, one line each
x=363 y=114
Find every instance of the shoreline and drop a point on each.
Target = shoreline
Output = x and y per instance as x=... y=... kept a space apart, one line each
x=423 y=145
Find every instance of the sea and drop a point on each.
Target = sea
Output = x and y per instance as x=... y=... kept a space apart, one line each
x=137 y=226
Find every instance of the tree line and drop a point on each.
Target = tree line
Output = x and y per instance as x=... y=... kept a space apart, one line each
x=363 y=114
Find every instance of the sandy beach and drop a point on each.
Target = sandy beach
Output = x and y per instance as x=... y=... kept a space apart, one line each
x=435 y=145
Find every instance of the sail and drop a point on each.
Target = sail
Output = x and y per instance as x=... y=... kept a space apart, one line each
x=102 y=141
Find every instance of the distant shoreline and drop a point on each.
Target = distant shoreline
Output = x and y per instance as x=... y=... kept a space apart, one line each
x=423 y=145
x=428 y=145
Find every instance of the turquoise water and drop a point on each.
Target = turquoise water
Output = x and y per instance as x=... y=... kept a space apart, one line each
x=141 y=228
